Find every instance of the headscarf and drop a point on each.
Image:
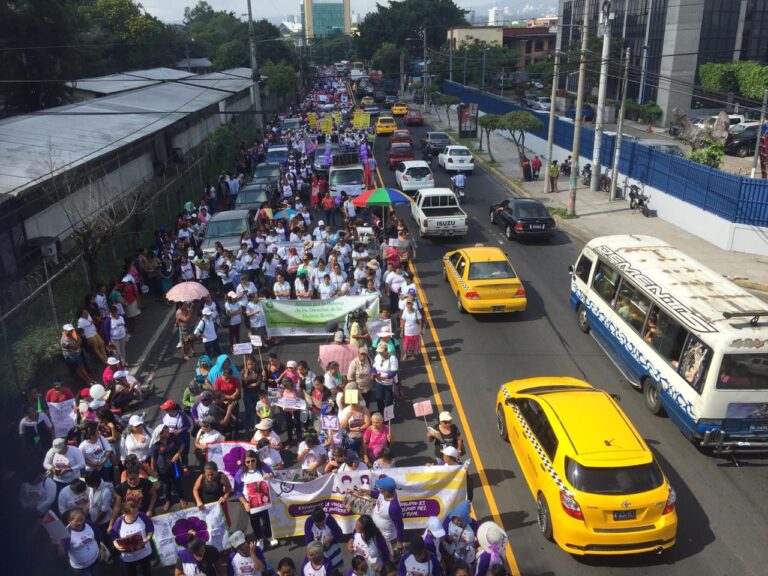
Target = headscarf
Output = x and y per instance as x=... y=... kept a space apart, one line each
x=462 y=511
x=218 y=369
x=198 y=373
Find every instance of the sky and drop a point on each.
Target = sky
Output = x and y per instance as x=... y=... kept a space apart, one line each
x=173 y=10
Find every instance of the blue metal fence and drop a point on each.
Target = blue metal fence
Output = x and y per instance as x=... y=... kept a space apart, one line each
x=734 y=198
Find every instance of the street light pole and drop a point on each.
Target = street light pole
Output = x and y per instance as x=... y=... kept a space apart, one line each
x=574 y=177
x=605 y=18
x=450 y=57
x=620 y=127
x=763 y=111
x=254 y=68
x=551 y=128
x=465 y=66
x=482 y=80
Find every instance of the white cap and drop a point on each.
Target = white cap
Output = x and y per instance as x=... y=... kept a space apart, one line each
x=207 y=312
x=320 y=223
x=190 y=253
x=445 y=416
x=68 y=327
x=237 y=539
x=450 y=451
x=435 y=527
x=120 y=374
x=291 y=364
x=97 y=391
x=128 y=278
x=112 y=361
x=136 y=420
x=231 y=294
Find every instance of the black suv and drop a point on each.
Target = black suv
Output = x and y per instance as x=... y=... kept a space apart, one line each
x=434 y=142
x=379 y=96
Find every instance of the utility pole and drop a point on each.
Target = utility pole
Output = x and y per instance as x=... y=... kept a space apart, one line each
x=763 y=112
x=465 y=66
x=254 y=68
x=644 y=71
x=620 y=127
x=551 y=128
x=402 y=71
x=450 y=58
x=502 y=82
x=425 y=58
x=574 y=177
x=605 y=18
x=482 y=80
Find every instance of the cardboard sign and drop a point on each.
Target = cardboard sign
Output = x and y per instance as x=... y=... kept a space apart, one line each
x=256 y=341
x=422 y=409
x=292 y=404
x=351 y=396
x=389 y=412
x=330 y=422
x=245 y=348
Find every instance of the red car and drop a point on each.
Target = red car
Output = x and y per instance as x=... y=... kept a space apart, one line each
x=402 y=136
x=400 y=152
x=413 y=118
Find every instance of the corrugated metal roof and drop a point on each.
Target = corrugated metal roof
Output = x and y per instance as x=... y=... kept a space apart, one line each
x=194 y=63
x=64 y=137
x=233 y=80
x=115 y=83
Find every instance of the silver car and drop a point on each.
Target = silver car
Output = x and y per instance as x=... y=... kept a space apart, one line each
x=226 y=228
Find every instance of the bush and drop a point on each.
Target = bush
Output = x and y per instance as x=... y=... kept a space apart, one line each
x=651 y=112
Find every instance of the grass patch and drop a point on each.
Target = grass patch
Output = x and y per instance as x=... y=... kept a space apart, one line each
x=561 y=213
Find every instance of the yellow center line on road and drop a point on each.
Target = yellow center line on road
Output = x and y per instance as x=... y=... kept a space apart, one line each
x=470 y=441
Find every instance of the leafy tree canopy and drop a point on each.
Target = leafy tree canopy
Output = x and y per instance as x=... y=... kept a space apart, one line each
x=387 y=58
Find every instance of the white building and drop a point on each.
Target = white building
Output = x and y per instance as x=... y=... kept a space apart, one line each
x=497 y=16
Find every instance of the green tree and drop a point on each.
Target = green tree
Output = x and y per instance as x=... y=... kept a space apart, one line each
x=488 y=123
x=517 y=124
x=449 y=101
x=497 y=59
x=397 y=21
x=333 y=49
x=719 y=77
x=709 y=152
x=281 y=80
x=386 y=58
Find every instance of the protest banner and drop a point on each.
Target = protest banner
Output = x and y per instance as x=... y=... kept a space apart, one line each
x=292 y=404
x=228 y=456
x=423 y=491
x=174 y=530
x=63 y=417
x=422 y=409
x=312 y=317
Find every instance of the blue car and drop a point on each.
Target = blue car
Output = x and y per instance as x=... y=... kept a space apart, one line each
x=277 y=154
x=587 y=113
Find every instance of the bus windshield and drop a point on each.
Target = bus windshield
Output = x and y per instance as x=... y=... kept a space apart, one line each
x=345 y=177
x=744 y=372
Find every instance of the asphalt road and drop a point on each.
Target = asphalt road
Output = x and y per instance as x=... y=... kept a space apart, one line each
x=722 y=509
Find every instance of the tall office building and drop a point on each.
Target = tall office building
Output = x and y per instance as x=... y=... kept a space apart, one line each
x=323 y=18
x=670 y=39
x=498 y=16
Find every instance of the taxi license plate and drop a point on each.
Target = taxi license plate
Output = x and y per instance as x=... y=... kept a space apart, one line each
x=498 y=308
x=624 y=514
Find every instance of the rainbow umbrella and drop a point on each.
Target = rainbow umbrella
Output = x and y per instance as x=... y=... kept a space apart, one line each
x=380 y=197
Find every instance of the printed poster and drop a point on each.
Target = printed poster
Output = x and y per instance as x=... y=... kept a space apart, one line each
x=63 y=417
x=174 y=530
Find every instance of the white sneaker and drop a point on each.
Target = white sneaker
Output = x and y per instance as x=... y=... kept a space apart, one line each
x=274 y=542
x=178 y=345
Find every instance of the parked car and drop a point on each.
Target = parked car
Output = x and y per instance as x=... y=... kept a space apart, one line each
x=413 y=118
x=414 y=175
x=399 y=152
x=227 y=228
x=587 y=113
x=709 y=122
x=742 y=142
x=543 y=103
x=523 y=218
x=456 y=159
x=434 y=142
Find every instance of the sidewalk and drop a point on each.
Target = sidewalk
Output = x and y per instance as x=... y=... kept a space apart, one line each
x=597 y=216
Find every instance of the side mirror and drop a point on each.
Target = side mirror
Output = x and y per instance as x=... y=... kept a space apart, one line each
x=570 y=268
x=616 y=397
x=510 y=401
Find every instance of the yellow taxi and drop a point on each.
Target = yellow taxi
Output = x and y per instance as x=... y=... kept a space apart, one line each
x=366 y=100
x=483 y=280
x=400 y=109
x=597 y=487
x=385 y=125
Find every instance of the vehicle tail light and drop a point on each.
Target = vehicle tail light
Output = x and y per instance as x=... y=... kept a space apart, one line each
x=553 y=225
x=430 y=177
x=518 y=226
x=450 y=160
x=671 y=501
x=472 y=295
x=405 y=178
x=520 y=292
x=570 y=506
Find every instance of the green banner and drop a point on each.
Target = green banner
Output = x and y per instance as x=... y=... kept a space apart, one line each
x=311 y=317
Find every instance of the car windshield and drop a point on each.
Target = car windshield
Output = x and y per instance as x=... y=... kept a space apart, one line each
x=532 y=211
x=491 y=270
x=221 y=228
x=320 y=155
x=418 y=172
x=273 y=153
x=401 y=150
x=266 y=171
x=460 y=152
x=744 y=372
x=344 y=177
x=621 y=480
x=386 y=121
x=251 y=196
x=291 y=123
x=438 y=137
x=544 y=100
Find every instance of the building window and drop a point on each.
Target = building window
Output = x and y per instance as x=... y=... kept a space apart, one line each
x=528 y=46
x=539 y=45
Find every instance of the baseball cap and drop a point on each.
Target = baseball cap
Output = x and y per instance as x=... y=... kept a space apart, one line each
x=60 y=444
x=207 y=312
x=168 y=405
x=338 y=336
x=136 y=420
x=237 y=539
x=68 y=327
x=445 y=416
x=435 y=527
x=290 y=364
x=386 y=483
x=450 y=451
x=112 y=361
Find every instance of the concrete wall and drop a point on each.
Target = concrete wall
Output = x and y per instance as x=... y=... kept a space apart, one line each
x=491 y=35
x=197 y=133
x=56 y=219
x=705 y=225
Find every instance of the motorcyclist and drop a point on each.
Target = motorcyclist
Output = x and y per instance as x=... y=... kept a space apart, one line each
x=459 y=181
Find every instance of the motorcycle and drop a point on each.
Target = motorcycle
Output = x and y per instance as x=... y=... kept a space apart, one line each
x=459 y=191
x=586 y=174
x=605 y=182
x=639 y=201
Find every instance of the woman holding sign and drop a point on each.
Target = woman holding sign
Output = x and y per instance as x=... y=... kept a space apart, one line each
x=252 y=489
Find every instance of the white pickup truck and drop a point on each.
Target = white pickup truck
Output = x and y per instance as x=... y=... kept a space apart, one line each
x=437 y=213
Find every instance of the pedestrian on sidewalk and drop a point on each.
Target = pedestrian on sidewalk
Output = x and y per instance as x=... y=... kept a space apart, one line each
x=526 y=166
x=554 y=172
x=536 y=166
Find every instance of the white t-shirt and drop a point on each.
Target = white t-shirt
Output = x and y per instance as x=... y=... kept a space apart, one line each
x=326 y=291
x=234 y=319
x=94 y=452
x=101 y=499
x=388 y=365
x=410 y=322
x=135 y=527
x=207 y=328
x=282 y=287
x=395 y=282
x=315 y=455
x=117 y=328
x=83 y=547
x=270 y=457
x=204 y=438
x=302 y=286
x=87 y=326
x=243 y=565
x=368 y=550
x=257 y=320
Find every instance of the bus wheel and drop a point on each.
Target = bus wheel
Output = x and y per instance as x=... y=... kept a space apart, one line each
x=652 y=398
x=581 y=315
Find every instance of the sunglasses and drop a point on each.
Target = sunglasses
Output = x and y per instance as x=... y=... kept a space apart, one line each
x=251 y=461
